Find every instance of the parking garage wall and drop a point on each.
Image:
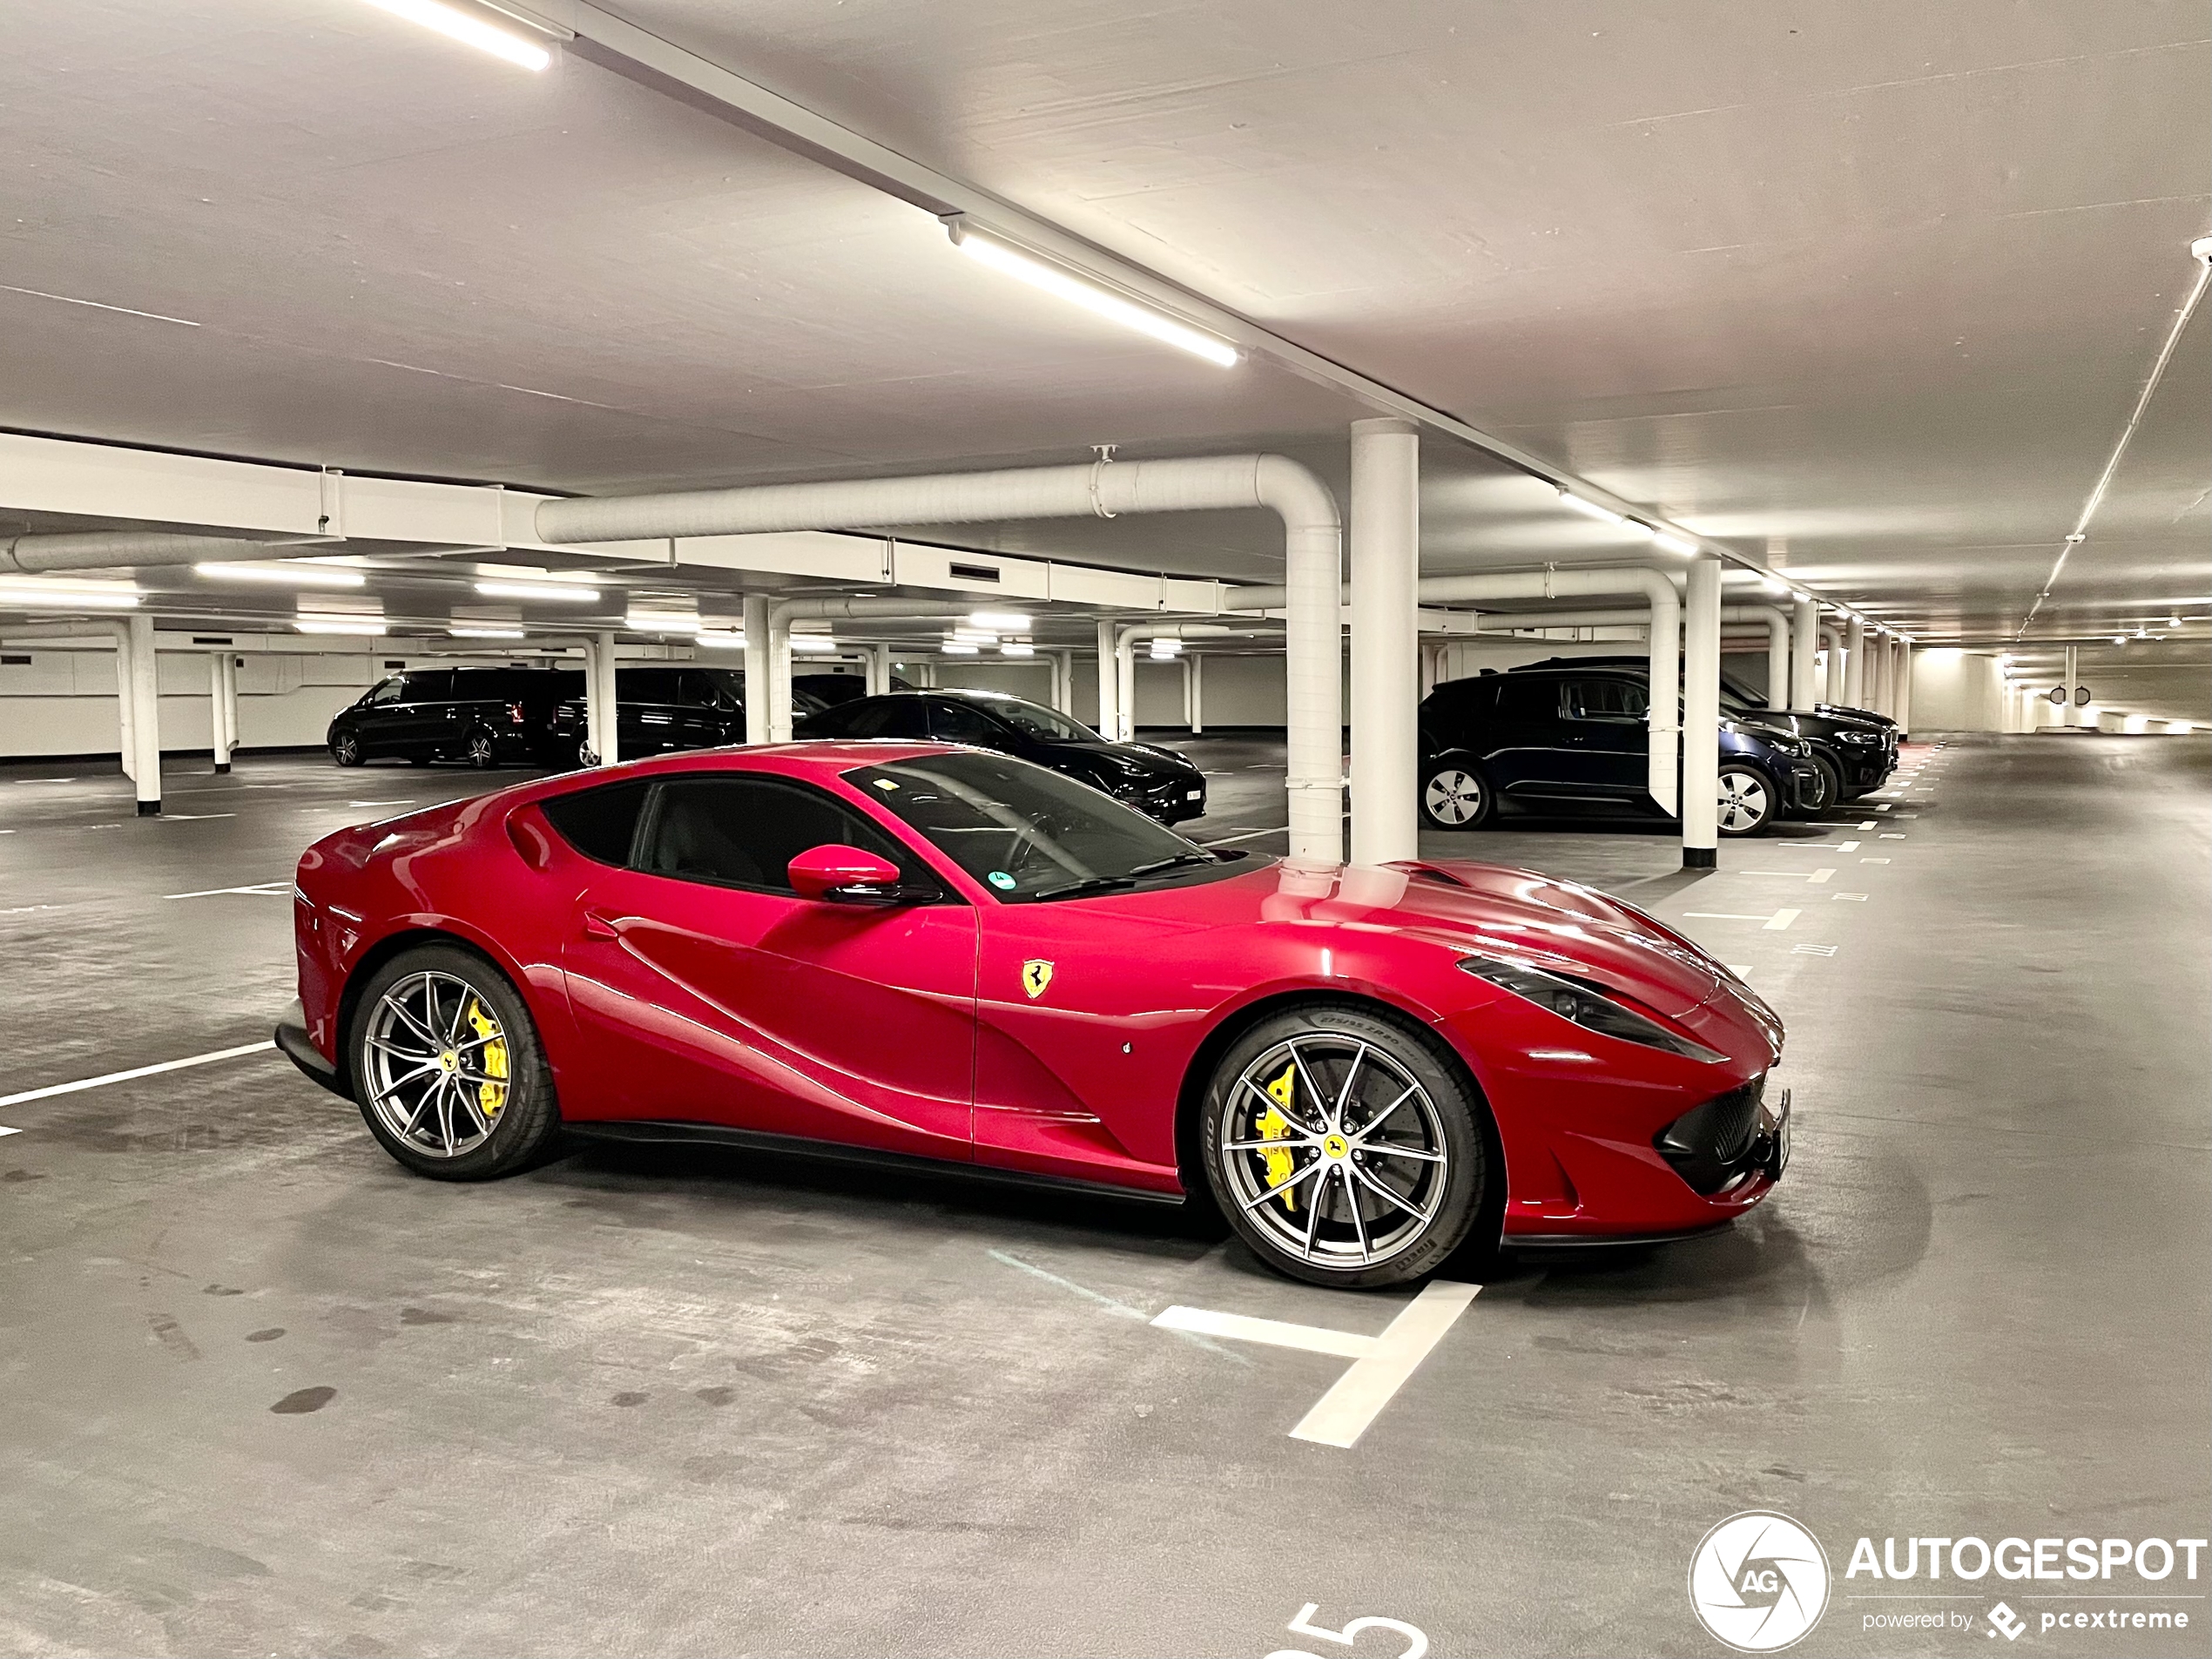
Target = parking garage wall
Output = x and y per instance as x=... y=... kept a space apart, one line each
x=1239 y=691
x=63 y=702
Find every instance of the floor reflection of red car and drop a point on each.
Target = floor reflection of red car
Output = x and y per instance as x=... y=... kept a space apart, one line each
x=903 y=952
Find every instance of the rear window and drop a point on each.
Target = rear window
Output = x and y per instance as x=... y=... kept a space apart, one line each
x=599 y=823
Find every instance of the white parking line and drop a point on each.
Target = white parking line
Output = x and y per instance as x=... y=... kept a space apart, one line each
x=1820 y=876
x=1380 y=1365
x=1873 y=860
x=1775 y=923
x=262 y=889
x=208 y=1059
x=1869 y=824
x=1847 y=846
x=1780 y=920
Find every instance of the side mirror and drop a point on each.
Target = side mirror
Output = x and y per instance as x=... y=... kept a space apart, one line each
x=837 y=875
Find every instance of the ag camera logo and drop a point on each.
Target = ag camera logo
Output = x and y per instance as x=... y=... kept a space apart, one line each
x=1759 y=1581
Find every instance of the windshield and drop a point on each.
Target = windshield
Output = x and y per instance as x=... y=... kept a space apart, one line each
x=1025 y=833
x=1037 y=721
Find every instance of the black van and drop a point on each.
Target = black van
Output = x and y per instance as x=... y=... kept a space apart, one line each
x=483 y=715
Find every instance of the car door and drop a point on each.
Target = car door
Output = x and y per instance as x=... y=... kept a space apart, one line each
x=376 y=717
x=646 y=711
x=417 y=725
x=707 y=990
x=1606 y=743
x=953 y=721
x=1521 y=741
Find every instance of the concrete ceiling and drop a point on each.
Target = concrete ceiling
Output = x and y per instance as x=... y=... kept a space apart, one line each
x=1867 y=291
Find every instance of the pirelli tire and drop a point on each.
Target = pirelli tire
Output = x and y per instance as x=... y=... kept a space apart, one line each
x=445 y=1064
x=1374 y=1183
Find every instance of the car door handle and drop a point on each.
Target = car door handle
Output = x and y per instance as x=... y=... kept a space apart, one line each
x=597 y=925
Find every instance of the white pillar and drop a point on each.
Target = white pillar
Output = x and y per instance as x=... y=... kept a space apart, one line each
x=1804 y=642
x=1778 y=658
x=1064 y=681
x=1701 y=716
x=146 y=718
x=1195 y=669
x=756 y=668
x=1109 y=680
x=778 y=679
x=1385 y=639
x=1125 y=689
x=230 y=707
x=601 y=723
x=217 y=738
x=1662 y=720
x=1904 y=715
x=878 y=661
x=2071 y=714
x=1855 y=663
x=125 y=695
x=1832 y=638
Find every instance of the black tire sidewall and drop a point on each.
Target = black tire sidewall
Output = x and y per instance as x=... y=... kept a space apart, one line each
x=1483 y=816
x=1831 y=778
x=528 y=1124
x=1458 y=1102
x=1767 y=784
x=346 y=749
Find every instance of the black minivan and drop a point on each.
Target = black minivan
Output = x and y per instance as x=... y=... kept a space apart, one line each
x=483 y=715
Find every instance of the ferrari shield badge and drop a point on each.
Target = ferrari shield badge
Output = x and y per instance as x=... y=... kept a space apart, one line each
x=1035 y=975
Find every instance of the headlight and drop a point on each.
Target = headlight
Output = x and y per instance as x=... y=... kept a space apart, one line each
x=1868 y=738
x=1586 y=1004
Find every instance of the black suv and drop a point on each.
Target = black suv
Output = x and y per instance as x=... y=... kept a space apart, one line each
x=681 y=705
x=483 y=715
x=1854 y=749
x=1157 y=782
x=1575 y=737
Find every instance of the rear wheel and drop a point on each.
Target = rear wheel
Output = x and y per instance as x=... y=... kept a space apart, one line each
x=1454 y=796
x=1830 y=790
x=447 y=1069
x=479 y=751
x=346 y=749
x=1342 y=1149
x=1747 y=799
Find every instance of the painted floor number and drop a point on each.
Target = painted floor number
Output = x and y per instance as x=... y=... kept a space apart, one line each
x=1416 y=1641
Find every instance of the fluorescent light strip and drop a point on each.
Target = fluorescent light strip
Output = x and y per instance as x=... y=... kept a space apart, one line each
x=950 y=649
x=485 y=633
x=998 y=622
x=288 y=574
x=721 y=639
x=813 y=642
x=471 y=30
x=1672 y=544
x=1574 y=504
x=339 y=624
x=33 y=594
x=1064 y=284
x=536 y=590
x=1015 y=648
x=645 y=622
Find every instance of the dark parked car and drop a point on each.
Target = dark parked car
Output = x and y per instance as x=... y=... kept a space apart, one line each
x=1157 y=782
x=831 y=690
x=1575 y=738
x=1854 y=749
x=483 y=715
x=680 y=705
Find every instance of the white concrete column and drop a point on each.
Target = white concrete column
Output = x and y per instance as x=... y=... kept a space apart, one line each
x=1878 y=666
x=756 y=668
x=1125 y=691
x=778 y=680
x=602 y=701
x=1804 y=642
x=878 y=669
x=1385 y=556
x=1701 y=716
x=1831 y=640
x=230 y=707
x=1195 y=693
x=1064 y=681
x=1855 y=663
x=1904 y=715
x=1109 y=682
x=146 y=718
x=2071 y=714
x=1778 y=658
x=217 y=738
x=126 y=751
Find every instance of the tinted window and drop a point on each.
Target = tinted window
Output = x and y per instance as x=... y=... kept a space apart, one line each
x=1039 y=721
x=599 y=823
x=887 y=717
x=951 y=722
x=645 y=685
x=695 y=689
x=745 y=831
x=390 y=691
x=428 y=685
x=482 y=685
x=1026 y=832
x=1529 y=699
x=1607 y=699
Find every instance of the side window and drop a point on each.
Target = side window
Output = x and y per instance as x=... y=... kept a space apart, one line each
x=599 y=823
x=890 y=717
x=479 y=685
x=694 y=690
x=1607 y=699
x=645 y=685
x=951 y=722
x=386 y=694
x=1527 y=701
x=429 y=685
x=743 y=831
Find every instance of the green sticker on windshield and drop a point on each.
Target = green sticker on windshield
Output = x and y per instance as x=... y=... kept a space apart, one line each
x=1000 y=879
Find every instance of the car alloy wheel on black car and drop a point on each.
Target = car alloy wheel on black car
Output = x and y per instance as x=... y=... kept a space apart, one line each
x=1747 y=799
x=1454 y=797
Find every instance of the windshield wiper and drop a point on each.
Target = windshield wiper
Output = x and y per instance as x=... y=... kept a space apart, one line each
x=1180 y=858
x=1089 y=884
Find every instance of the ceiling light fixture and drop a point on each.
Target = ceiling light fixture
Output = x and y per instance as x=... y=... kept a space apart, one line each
x=1165 y=650
x=998 y=622
x=1574 y=504
x=813 y=642
x=1668 y=541
x=536 y=590
x=1057 y=279
x=339 y=624
x=291 y=575
x=953 y=648
x=470 y=29
x=36 y=593
x=485 y=633
x=1015 y=648
x=647 y=622
x=721 y=638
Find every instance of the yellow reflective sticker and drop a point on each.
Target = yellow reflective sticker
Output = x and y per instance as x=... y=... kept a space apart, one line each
x=1035 y=975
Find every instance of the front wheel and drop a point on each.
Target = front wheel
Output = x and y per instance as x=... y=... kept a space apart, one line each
x=479 y=752
x=1342 y=1149
x=1829 y=791
x=346 y=749
x=446 y=1068
x=1454 y=796
x=1747 y=801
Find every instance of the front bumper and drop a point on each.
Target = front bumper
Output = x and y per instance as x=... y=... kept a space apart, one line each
x=1170 y=801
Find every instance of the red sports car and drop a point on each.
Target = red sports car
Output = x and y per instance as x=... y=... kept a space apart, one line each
x=902 y=952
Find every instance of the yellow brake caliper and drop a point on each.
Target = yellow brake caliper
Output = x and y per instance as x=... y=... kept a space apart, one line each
x=490 y=1096
x=1274 y=1126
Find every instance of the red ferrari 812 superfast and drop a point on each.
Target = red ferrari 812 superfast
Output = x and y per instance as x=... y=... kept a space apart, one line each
x=900 y=952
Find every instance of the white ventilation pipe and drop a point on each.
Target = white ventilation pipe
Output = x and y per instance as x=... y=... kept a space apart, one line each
x=849 y=607
x=1663 y=620
x=1313 y=562
x=1701 y=715
x=1109 y=682
x=1805 y=643
x=112 y=549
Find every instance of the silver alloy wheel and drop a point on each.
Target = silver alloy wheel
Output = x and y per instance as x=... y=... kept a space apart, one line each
x=1743 y=802
x=480 y=750
x=347 y=750
x=1454 y=797
x=1335 y=1150
x=438 y=1064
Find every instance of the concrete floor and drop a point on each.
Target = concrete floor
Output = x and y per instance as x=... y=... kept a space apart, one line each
x=269 y=1394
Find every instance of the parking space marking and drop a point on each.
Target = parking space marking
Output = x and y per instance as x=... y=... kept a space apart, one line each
x=1812 y=950
x=1855 y=898
x=1870 y=824
x=1780 y=920
x=1898 y=836
x=263 y=1047
x=192 y=817
x=1847 y=846
x=265 y=889
x=1738 y=968
x=1873 y=860
x=1818 y=876
x=1381 y=1365
x=1723 y=916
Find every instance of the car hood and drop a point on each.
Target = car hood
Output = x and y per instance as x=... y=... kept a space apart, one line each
x=1464 y=907
x=1135 y=754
